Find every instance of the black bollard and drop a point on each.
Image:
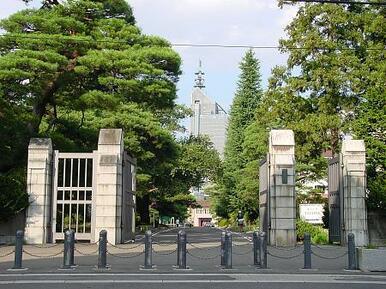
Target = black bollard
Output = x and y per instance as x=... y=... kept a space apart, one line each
x=102 y=258
x=263 y=250
x=222 y=249
x=256 y=250
x=67 y=250
x=178 y=248
x=307 y=251
x=352 y=260
x=148 y=250
x=72 y=247
x=19 y=250
x=228 y=250
x=182 y=250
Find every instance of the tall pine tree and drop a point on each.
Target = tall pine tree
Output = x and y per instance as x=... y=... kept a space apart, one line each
x=242 y=114
x=72 y=67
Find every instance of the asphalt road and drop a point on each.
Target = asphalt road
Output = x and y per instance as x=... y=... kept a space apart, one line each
x=203 y=260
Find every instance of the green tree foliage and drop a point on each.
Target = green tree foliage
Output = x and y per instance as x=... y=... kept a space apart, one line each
x=72 y=67
x=12 y=197
x=239 y=188
x=198 y=162
x=333 y=84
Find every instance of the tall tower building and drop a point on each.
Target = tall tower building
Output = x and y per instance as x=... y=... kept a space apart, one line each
x=209 y=118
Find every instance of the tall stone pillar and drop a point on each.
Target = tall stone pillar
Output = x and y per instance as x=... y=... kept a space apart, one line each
x=354 y=191
x=282 y=202
x=39 y=176
x=108 y=201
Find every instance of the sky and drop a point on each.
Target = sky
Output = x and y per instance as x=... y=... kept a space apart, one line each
x=238 y=22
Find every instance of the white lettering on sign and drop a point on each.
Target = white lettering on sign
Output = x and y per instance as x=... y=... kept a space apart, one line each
x=311 y=213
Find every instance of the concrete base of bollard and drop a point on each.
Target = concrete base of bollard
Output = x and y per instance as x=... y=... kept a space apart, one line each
x=354 y=271
x=66 y=269
x=107 y=268
x=175 y=268
x=17 y=270
x=153 y=268
x=222 y=268
x=262 y=269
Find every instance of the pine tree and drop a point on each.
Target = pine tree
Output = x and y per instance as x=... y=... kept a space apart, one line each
x=72 y=67
x=242 y=114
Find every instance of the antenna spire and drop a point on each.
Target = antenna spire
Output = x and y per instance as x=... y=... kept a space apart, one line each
x=200 y=76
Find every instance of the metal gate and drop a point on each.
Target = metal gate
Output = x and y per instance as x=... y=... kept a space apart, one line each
x=73 y=194
x=334 y=200
x=128 y=198
x=263 y=196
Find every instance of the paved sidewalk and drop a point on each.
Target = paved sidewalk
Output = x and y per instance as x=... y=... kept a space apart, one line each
x=203 y=256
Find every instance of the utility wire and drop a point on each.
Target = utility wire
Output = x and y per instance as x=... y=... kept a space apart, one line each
x=337 y=2
x=192 y=45
x=262 y=47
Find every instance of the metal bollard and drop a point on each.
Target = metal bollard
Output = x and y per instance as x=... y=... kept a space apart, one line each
x=72 y=247
x=148 y=250
x=182 y=250
x=178 y=248
x=67 y=250
x=19 y=250
x=263 y=250
x=307 y=251
x=102 y=258
x=352 y=260
x=228 y=250
x=222 y=262
x=256 y=250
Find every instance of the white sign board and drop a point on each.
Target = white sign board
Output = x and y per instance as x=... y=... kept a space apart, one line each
x=311 y=213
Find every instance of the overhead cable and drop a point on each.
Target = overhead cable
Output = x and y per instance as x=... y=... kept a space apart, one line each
x=383 y=3
x=191 y=45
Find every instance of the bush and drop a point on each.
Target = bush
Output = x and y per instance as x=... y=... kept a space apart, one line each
x=318 y=234
x=223 y=223
x=320 y=238
x=13 y=197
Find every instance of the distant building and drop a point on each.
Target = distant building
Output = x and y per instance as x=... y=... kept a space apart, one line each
x=209 y=118
x=201 y=217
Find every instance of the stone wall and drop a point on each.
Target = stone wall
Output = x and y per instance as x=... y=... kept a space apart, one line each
x=377 y=227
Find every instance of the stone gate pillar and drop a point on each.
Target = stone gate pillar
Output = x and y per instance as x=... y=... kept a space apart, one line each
x=353 y=158
x=108 y=201
x=39 y=176
x=282 y=202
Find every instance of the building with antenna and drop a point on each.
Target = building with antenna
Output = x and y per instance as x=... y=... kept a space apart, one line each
x=209 y=118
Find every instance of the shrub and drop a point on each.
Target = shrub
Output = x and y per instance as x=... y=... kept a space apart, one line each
x=318 y=234
x=320 y=238
x=13 y=197
x=223 y=223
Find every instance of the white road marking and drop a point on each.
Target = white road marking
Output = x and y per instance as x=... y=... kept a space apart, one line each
x=198 y=274
x=191 y=278
x=186 y=281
